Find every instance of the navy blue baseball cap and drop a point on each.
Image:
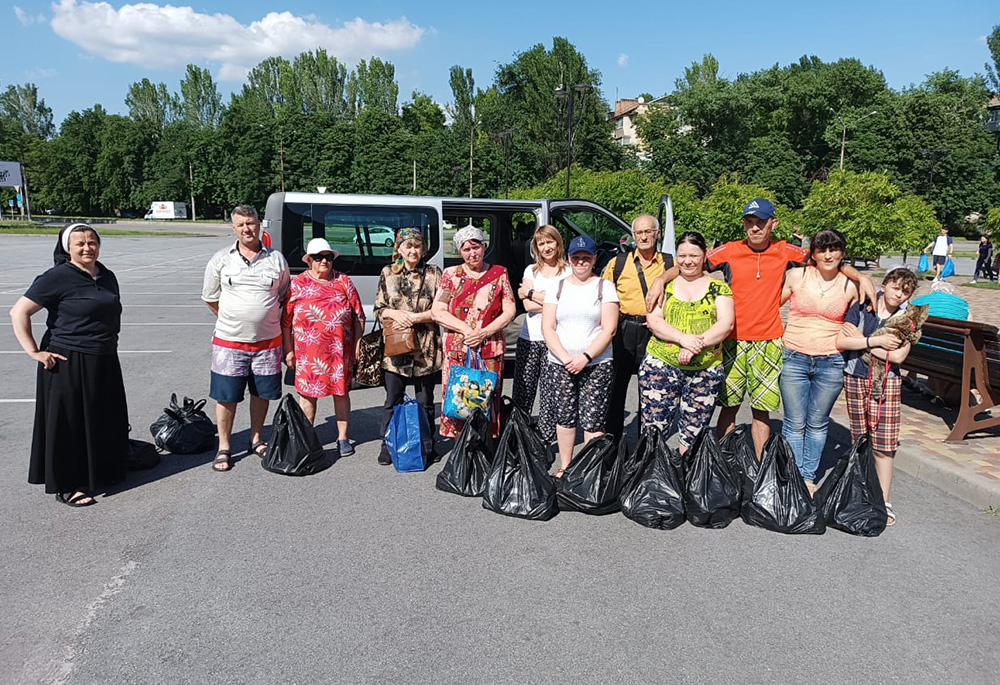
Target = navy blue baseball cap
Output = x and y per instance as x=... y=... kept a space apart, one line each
x=582 y=243
x=760 y=208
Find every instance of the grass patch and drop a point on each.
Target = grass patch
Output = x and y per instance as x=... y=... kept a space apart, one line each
x=982 y=285
x=992 y=511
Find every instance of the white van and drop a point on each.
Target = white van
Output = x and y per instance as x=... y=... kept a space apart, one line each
x=167 y=210
x=360 y=228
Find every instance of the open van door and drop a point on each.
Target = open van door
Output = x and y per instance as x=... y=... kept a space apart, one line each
x=665 y=215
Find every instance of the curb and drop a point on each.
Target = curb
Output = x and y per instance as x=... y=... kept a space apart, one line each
x=975 y=488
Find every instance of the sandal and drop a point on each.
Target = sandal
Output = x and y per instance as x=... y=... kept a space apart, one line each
x=559 y=474
x=891 y=516
x=75 y=499
x=222 y=460
x=256 y=449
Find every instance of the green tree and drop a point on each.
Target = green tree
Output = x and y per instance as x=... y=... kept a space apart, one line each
x=152 y=103
x=320 y=82
x=21 y=107
x=70 y=180
x=721 y=211
x=993 y=66
x=201 y=104
x=376 y=86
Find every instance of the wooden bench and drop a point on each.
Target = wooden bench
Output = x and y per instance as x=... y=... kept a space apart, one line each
x=966 y=353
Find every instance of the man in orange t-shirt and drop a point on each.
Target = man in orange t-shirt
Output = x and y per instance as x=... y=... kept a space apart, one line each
x=751 y=356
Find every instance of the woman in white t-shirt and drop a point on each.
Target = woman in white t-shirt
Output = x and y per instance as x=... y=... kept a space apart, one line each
x=578 y=321
x=549 y=268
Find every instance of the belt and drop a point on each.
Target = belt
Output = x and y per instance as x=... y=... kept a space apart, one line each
x=632 y=317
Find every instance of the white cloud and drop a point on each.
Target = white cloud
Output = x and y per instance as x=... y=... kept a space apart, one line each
x=623 y=60
x=39 y=73
x=28 y=19
x=167 y=36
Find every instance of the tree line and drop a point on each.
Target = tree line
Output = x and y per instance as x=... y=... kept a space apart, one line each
x=914 y=157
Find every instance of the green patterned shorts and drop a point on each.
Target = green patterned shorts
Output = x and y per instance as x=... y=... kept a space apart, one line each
x=752 y=369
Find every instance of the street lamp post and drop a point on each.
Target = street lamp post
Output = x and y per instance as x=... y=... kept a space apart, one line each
x=568 y=95
x=934 y=156
x=843 y=131
x=504 y=138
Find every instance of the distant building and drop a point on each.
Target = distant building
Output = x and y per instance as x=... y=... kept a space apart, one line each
x=624 y=117
x=993 y=118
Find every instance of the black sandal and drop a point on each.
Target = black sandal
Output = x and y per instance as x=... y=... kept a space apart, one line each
x=256 y=446
x=222 y=458
x=71 y=499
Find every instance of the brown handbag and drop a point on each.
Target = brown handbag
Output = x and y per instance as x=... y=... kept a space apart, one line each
x=398 y=341
x=402 y=341
x=368 y=371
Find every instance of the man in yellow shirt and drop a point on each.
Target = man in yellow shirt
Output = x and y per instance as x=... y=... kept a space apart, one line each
x=632 y=272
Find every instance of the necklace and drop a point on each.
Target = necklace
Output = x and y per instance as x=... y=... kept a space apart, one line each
x=823 y=291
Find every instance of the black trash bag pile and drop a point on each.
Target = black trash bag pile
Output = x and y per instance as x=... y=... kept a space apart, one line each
x=183 y=429
x=519 y=483
x=779 y=500
x=850 y=498
x=737 y=449
x=653 y=493
x=593 y=481
x=468 y=466
x=294 y=448
x=142 y=455
x=712 y=487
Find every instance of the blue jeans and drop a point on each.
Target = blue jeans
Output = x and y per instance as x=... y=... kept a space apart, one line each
x=809 y=388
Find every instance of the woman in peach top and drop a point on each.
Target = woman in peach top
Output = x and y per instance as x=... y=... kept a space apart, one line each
x=812 y=371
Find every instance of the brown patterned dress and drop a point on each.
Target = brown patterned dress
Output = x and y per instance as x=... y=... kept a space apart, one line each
x=399 y=291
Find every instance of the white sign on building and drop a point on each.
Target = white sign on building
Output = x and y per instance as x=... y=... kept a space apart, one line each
x=10 y=174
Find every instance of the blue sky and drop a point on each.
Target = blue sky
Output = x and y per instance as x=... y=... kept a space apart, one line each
x=80 y=53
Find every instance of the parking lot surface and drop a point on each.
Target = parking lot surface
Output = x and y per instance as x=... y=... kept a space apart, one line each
x=362 y=575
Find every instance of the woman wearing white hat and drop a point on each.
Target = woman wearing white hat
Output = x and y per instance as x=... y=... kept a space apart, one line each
x=321 y=327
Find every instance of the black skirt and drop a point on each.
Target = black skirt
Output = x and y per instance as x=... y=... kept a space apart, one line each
x=80 y=439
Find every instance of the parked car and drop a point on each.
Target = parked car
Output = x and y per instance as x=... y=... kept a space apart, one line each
x=377 y=235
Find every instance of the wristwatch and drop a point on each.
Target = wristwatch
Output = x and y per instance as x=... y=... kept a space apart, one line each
x=530 y=293
x=589 y=358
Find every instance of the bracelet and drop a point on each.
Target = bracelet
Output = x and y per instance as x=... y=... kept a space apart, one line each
x=589 y=358
x=531 y=292
x=868 y=343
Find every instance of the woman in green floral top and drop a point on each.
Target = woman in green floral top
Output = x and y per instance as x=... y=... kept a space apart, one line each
x=682 y=371
x=405 y=293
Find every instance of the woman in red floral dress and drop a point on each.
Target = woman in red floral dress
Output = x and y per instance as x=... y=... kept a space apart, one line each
x=474 y=303
x=324 y=319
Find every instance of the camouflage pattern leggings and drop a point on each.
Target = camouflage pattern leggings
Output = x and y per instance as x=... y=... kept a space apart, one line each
x=673 y=398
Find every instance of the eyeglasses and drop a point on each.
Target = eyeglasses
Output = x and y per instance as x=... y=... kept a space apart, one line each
x=644 y=234
x=324 y=257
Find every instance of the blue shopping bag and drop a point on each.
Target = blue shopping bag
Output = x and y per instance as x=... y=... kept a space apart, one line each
x=470 y=387
x=923 y=264
x=948 y=269
x=403 y=437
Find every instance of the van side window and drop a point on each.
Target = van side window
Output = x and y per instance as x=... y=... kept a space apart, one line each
x=599 y=226
x=362 y=234
x=453 y=222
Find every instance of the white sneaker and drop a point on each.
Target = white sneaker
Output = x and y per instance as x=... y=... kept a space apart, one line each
x=973 y=281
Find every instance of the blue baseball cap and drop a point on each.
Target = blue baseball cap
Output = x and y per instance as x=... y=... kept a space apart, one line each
x=760 y=208
x=582 y=243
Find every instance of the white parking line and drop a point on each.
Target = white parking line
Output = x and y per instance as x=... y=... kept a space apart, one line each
x=32 y=401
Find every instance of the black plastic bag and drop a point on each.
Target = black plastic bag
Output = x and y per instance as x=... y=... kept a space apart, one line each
x=737 y=449
x=142 y=455
x=850 y=498
x=469 y=464
x=183 y=429
x=712 y=488
x=593 y=481
x=653 y=494
x=294 y=448
x=779 y=500
x=519 y=484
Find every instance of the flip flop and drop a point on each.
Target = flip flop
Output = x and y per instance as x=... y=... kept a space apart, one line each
x=256 y=446
x=222 y=458
x=73 y=499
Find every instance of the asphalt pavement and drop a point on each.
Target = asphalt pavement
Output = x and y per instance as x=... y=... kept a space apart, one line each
x=363 y=575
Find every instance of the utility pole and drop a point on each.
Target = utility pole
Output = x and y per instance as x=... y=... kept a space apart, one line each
x=568 y=95
x=194 y=216
x=843 y=131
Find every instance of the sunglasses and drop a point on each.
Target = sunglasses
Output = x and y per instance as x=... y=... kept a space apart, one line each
x=324 y=257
